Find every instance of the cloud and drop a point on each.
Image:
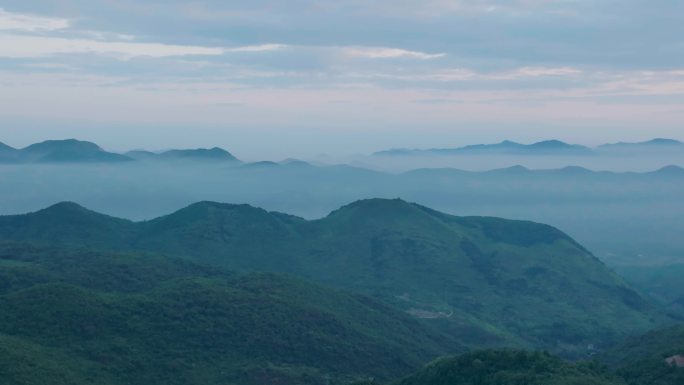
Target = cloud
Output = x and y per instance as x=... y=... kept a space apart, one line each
x=23 y=46
x=389 y=53
x=23 y=36
x=465 y=74
x=257 y=48
x=535 y=72
x=20 y=22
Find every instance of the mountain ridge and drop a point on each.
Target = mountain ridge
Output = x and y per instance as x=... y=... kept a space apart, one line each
x=544 y=147
x=77 y=151
x=468 y=272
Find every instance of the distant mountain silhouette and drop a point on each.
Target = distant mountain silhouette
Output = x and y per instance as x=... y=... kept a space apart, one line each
x=650 y=144
x=141 y=154
x=76 y=151
x=671 y=170
x=60 y=151
x=262 y=164
x=212 y=154
x=547 y=147
x=7 y=153
x=4 y=147
x=215 y=154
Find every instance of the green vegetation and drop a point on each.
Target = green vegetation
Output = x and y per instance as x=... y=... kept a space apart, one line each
x=512 y=367
x=642 y=360
x=84 y=317
x=657 y=344
x=485 y=281
x=74 y=316
x=506 y=367
x=662 y=283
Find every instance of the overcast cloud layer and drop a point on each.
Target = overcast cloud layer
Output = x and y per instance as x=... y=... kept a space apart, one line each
x=270 y=79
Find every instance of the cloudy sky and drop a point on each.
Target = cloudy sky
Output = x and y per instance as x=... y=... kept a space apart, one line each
x=270 y=79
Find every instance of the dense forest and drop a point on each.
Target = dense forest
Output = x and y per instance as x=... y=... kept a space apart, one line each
x=475 y=278
x=198 y=297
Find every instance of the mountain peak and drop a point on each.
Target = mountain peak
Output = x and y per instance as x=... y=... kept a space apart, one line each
x=550 y=143
x=64 y=143
x=517 y=169
x=670 y=170
x=202 y=205
x=376 y=203
x=205 y=210
x=575 y=170
x=66 y=206
x=211 y=154
x=68 y=150
x=379 y=211
x=664 y=141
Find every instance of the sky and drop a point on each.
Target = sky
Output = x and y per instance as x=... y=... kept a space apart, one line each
x=274 y=79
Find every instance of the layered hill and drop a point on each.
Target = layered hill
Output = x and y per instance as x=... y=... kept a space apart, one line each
x=75 y=316
x=487 y=281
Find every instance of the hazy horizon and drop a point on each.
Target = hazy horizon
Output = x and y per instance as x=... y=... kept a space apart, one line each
x=365 y=158
x=269 y=80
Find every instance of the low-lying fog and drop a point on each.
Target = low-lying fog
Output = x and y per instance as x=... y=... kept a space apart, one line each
x=639 y=162
x=622 y=217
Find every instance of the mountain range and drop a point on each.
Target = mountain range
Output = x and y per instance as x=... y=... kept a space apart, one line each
x=618 y=215
x=76 y=151
x=475 y=278
x=547 y=147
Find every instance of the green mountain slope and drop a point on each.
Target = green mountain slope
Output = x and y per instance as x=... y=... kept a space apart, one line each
x=641 y=360
x=510 y=368
x=662 y=283
x=659 y=343
x=487 y=281
x=80 y=317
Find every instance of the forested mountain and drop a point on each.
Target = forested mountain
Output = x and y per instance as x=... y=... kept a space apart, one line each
x=475 y=277
x=76 y=317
